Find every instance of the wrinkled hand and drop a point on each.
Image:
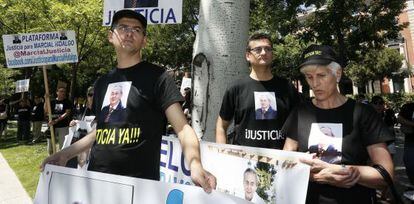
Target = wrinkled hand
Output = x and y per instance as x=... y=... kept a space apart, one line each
x=203 y=178
x=58 y=159
x=332 y=174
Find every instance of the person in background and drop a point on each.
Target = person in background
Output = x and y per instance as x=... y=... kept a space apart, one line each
x=37 y=118
x=406 y=118
x=4 y=109
x=87 y=116
x=388 y=116
x=61 y=116
x=187 y=104
x=23 y=120
x=240 y=99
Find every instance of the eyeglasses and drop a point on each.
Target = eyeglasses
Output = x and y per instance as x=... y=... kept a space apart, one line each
x=259 y=49
x=123 y=29
x=90 y=94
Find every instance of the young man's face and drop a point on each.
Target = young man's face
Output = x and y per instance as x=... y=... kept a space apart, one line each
x=260 y=53
x=61 y=93
x=128 y=35
x=250 y=185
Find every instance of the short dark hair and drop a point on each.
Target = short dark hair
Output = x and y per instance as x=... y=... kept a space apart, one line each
x=258 y=36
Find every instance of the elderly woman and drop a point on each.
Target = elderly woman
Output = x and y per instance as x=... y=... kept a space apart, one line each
x=359 y=135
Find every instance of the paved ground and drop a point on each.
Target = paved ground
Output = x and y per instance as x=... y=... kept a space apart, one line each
x=11 y=190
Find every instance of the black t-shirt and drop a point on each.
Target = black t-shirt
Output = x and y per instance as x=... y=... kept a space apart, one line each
x=407 y=112
x=38 y=112
x=336 y=138
x=58 y=109
x=23 y=112
x=259 y=109
x=130 y=143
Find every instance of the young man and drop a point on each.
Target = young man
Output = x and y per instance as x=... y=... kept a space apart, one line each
x=132 y=147
x=260 y=103
x=61 y=116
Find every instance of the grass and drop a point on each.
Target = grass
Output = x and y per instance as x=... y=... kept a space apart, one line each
x=24 y=159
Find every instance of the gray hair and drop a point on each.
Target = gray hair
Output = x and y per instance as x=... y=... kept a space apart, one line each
x=333 y=66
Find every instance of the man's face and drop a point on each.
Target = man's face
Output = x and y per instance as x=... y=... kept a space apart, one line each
x=260 y=53
x=116 y=96
x=250 y=185
x=264 y=102
x=128 y=36
x=61 y=93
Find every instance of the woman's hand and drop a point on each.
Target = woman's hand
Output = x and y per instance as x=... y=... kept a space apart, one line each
x=332 y=174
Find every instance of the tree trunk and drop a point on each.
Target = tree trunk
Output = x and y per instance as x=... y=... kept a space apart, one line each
x=218 y=59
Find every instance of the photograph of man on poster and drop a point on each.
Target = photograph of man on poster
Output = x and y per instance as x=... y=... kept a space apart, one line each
x=250 y=183
x=140 y=3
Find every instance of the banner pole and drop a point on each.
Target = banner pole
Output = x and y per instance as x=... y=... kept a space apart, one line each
x=49 y=111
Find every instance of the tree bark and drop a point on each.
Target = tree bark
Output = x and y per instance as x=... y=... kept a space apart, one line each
x=218 y=59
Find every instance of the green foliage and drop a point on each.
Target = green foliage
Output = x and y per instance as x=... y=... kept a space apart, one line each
x=287 y=57
x=376 y=64
x=353 y=26
x=7 y=85
x=172 y=45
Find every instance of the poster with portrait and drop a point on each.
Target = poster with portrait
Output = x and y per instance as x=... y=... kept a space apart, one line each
x=155 y=11
x=66 y=185
x=254 y=174
x=22 y=85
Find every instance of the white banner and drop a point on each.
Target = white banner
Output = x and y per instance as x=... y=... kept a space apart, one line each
x=280 y=177
x=66 y=185
x=35 y=49
x=155 y=11
x=22 y=85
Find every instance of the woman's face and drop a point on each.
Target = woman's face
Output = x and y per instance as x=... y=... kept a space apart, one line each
x=322 y=81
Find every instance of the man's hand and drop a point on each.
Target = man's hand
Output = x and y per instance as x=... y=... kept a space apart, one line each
x=58 y=159
x=332 y=174
x=202 y=178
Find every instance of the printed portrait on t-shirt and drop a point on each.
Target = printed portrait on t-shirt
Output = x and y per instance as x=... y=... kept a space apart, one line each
x=115 y=103
x=325 y=140
x=58 y=107
x=265 y=105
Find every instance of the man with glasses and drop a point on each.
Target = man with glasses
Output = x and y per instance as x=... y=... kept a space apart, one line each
x=242 y=99
x=132 y=147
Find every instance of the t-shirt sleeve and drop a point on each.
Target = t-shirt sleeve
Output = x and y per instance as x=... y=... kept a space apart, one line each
x=228 y=106
x=290 y=128
x=166 y=91
x=373 y=129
